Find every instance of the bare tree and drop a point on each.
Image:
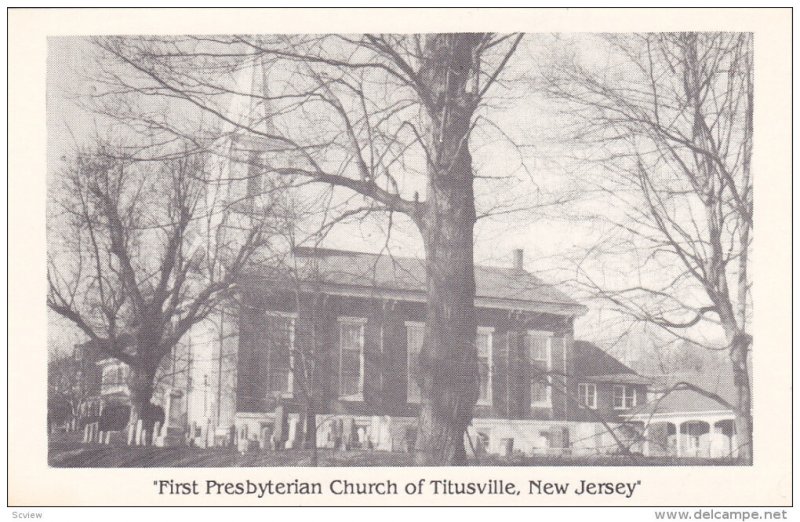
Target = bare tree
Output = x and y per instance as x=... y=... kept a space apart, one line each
x=67 y=388
x=125 y=264
x=669 y=118
x=366 y=113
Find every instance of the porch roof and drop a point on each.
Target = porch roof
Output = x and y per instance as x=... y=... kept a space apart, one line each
x=679 y=401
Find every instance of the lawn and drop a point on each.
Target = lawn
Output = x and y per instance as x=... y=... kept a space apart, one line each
x=77 y=455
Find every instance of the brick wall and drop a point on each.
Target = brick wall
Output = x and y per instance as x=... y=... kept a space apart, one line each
x=385 y=356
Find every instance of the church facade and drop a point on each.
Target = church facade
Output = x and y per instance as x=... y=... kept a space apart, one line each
x=326 y=353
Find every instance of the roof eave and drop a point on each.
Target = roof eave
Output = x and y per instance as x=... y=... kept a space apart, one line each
x=622 y=378
x=567 y=309
x=555 y=308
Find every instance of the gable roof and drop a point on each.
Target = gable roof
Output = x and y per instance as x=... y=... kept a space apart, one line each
x=362 y=274
x=679 y=401
x=687 y=400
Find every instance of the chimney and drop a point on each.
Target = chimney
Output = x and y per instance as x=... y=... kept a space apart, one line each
x=519 y=256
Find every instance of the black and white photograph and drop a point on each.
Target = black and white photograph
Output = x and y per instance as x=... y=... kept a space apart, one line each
x=311 y=249
x=412 y=249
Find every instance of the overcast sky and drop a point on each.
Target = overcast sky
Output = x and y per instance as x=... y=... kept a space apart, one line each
x=524 y=141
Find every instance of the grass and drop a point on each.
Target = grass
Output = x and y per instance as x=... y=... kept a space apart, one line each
x=100 y=456
x=65 y=454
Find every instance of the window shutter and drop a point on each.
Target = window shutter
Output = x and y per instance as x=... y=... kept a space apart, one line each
x=516 y=375
x=279 y=332
x=502 y=380
x=415 y=335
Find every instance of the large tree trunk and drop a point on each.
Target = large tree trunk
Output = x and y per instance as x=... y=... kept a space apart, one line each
x=740 y=346
x=140 y=385
x=310 y=432
x=309 y=427
x=741 y=380
x=448 y=361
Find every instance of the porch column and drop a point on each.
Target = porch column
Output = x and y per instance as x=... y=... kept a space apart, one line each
x=646 y=442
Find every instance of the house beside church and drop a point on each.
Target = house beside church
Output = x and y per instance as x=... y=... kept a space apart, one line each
x=684 y=422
